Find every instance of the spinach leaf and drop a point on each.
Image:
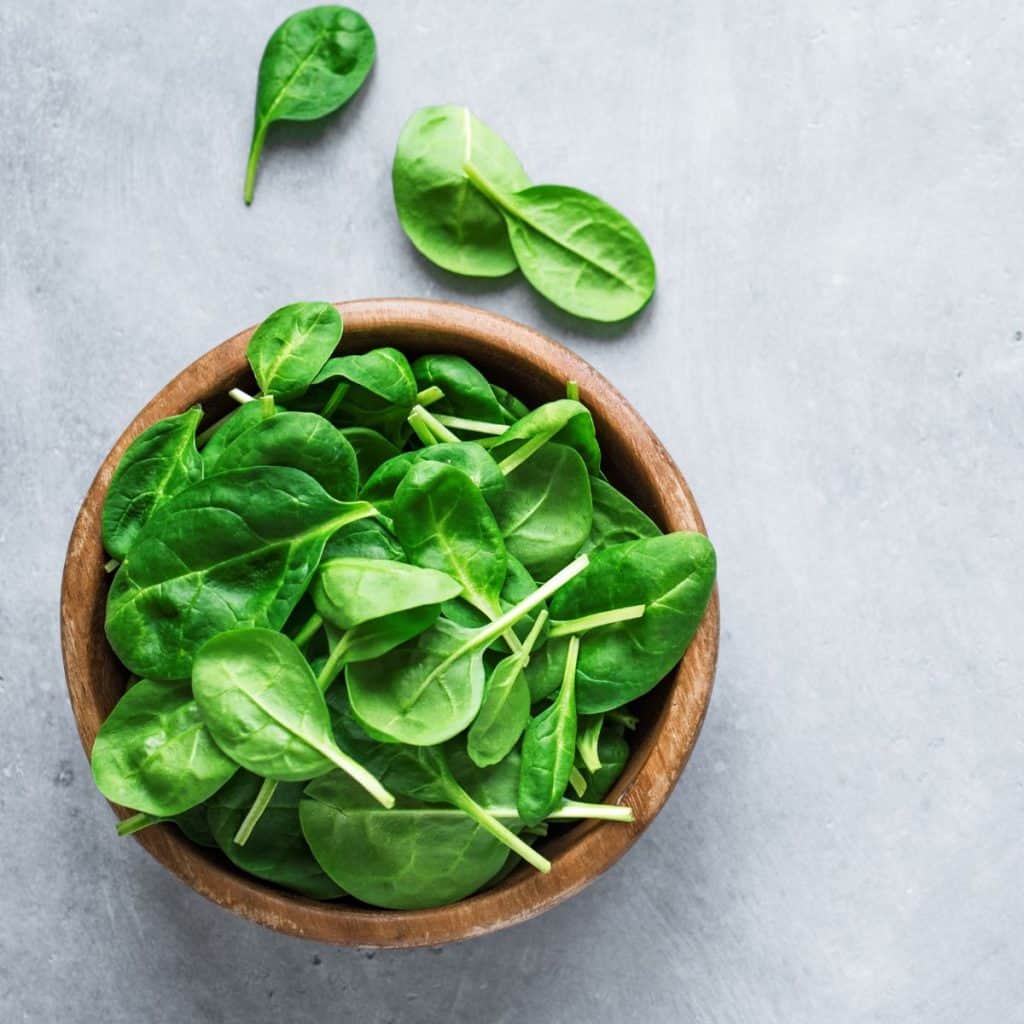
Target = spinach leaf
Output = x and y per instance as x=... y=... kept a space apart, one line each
x=512 y=408
x=407 y=858
x=350 y=591
x=154 y=754
x=613 y=753
x=376 y=637
x=545 y=511
x=673 y=576
x=303 y=441
x=234 y=425
x=289 y=348
x=443 y=523
x=194 y=824
x=445 y=217
x=467 y=456
x=365 y=538
x=275 y=850
x=549 y=748
x=518 y=586
x=314 y=62
x=466 y=391
x=563 y=421
x=260 y=700
x=375 y=388
x=616 y=519
x=575 y=249
x=236 y=549
x=159 y=463
x=372 y=450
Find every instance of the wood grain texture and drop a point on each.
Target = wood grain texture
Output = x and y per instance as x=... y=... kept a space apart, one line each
x=529 y=364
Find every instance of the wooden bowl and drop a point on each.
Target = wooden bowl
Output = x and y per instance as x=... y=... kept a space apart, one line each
x=536 y=368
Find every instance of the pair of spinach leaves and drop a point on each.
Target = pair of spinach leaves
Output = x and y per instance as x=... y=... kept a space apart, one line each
x=466 y=203
x=387 y=620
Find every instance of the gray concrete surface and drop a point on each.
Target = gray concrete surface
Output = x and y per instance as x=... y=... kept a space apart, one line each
x=834 y=355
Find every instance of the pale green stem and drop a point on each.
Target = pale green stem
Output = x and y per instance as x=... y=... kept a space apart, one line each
x=334 y=401
x=569 y=627
x=434 y=425
x=254 y=158
x=420 y=428
x=333 y=665
x=512 y=462
x=308 y=631
x=110 y=565
x=259 y=805
x=136 y=823
x=476 y=426
x=428 y=396
x=572 y=390
x=570 y=809
x=240 y=396
x=577 y=781
x=500 y=832
x=587 y=744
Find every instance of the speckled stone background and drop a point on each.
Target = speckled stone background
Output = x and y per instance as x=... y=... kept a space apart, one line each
x=833 y=192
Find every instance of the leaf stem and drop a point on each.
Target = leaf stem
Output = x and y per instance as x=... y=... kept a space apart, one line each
x=258 y=135
x=569 y=627
x=136 y=823
x=572 y=390
x=577 y=781
x=487 y=821
x=428 y=396
x=476 y=426
x=111 y=564
x=434 y=425
x=308 y=631
x=334 y=401
x=420 y=428
x=572 y=809
x=240 y=396
x=259 y=805
x=512 y=462
x=355 y=771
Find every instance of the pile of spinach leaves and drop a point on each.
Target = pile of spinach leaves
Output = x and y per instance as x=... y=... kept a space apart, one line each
x=386 y=621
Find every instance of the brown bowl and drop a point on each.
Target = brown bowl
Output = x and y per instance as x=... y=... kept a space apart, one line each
x=537 y=368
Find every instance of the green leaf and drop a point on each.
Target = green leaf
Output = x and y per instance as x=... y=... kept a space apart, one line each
x=503 y=715
x=350 y=591
x=232 y=426
x=237 y=549
x=372 y=449
x=314 y=62
x=616 y=519
x=290 y=347
x=545 y=511
x=445 y=217
x=303 y=441
x=575 y=249
x=159 y=463
x=377 y=387
x=467 y=392
x=275 y=850
x=673 y=576
x=154 y=754
x=365 y=538
x=563 y=421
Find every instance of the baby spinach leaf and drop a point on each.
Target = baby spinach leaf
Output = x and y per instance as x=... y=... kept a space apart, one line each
x=378 y=636
x=410 y=857
x=350 y=591
x=275 y=850
x=616 y=519
x=232 y=426
x=549 y=749
x=314 y=62
x=563 y=421
x=445 y=217
x=443 y=523
x=260 y=700
x=236 y=549
x=194 y=824
x=365 y=538
x=512 y=408
x=290 y=347
x=303 y=441
x=545 y=511
x=159 y=463
x=377 y=387
x=673 y=576
x=473 y=460
x=466 y=391
x=154 y=753
x=575 y=249
x=372 y=450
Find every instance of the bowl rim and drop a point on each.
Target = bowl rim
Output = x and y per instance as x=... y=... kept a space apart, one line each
x=578 y=857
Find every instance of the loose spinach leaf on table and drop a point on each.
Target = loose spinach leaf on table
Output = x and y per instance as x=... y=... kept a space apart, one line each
x=545 y=511
x=616 y=519
x=236 y=549
x=449 y=220
x=575 y=249
x=350 y=591
x=154 y=753
x=466 y=390
x=290 y=347
x=444 y=523
x=233 y=426
x=275 y=850
x=261 y=702
x=159 y=463
x=303 y=441
x=314 y=62
x=549 y=748
x=673 y=576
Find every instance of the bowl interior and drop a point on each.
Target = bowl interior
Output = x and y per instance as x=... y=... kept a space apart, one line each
x=535 y=369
